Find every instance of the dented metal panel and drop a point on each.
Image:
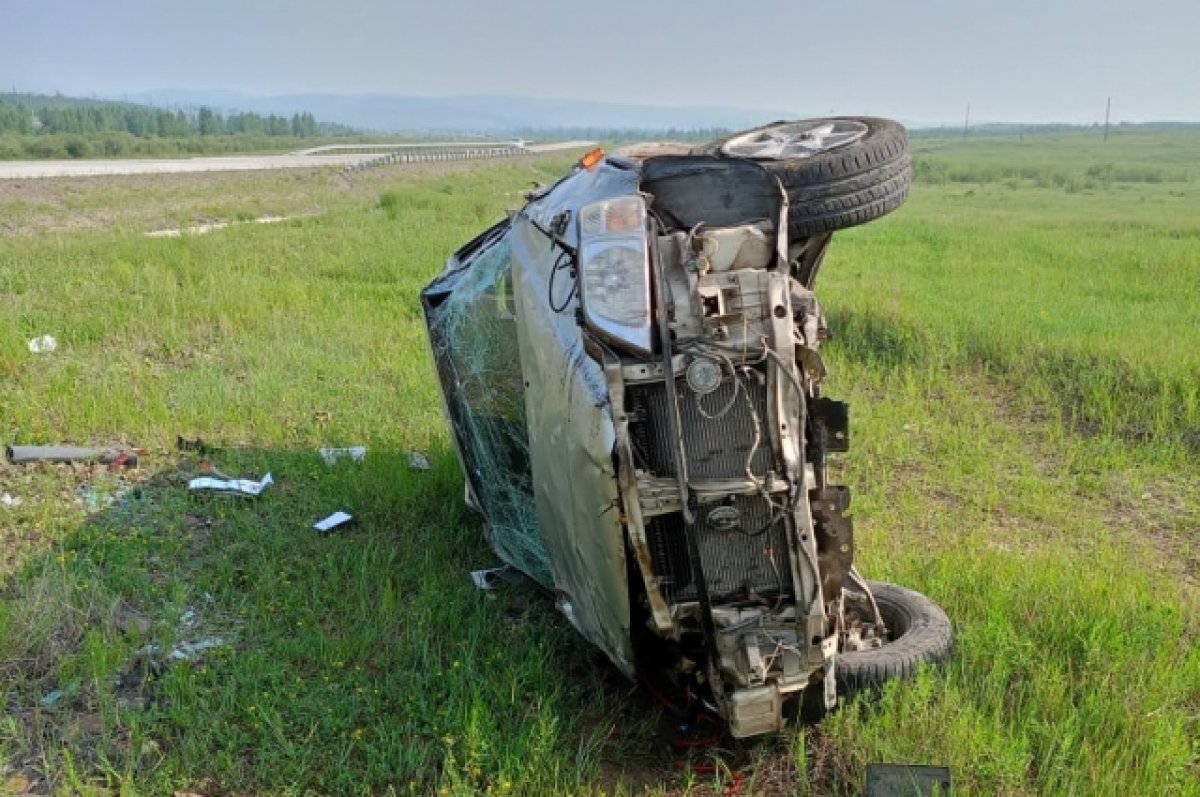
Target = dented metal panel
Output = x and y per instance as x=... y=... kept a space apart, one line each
x=571 y=442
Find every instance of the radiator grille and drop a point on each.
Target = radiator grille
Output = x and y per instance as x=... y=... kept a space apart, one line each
x=750 y=556
x=716 y=447
x=750 y=559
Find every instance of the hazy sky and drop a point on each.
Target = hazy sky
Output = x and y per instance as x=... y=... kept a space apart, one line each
x=1012 y=60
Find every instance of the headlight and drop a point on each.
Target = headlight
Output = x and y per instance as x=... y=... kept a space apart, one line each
x=615 y=270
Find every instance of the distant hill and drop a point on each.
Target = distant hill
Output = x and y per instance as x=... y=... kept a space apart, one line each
x=473 y=114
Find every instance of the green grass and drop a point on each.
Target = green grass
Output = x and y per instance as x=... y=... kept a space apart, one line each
x=1021 y=363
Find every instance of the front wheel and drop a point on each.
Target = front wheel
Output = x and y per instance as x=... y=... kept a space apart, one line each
x=838 y=172
x=919 y=633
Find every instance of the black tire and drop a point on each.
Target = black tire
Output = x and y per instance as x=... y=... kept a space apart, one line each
x=844 y=186
x=921 y=634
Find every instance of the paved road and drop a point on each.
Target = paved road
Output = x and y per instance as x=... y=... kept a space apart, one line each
x=24 y=170
x=235 y=163
x=562 y=145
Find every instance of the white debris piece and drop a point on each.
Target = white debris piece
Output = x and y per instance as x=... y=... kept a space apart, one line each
x=43 y=345
x=184 y=651
x=50 y=699
x=353 y=453
x=487 y=580
x=191 y=651
x=332 y=522
x=246 y=487
x=9 y=501
x=418 y=461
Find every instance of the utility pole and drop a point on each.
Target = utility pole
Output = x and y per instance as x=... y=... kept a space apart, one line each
x=967 y=121
x=1107 y=109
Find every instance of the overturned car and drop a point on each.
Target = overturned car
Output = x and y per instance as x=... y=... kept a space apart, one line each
x=632 y=373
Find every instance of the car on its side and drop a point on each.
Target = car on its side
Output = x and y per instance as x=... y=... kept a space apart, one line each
x=632 y=374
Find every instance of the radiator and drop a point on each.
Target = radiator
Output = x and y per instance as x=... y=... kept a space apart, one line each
x=716 y=447
x=743 y=539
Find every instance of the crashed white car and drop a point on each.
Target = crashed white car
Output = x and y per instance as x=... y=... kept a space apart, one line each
x=632 y=374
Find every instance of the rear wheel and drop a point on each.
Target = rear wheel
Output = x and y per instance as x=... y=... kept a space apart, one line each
x=919 y=633
x=838 y=172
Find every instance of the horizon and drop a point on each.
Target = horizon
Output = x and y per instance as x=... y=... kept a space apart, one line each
x=147 y=98
x=1020 y=63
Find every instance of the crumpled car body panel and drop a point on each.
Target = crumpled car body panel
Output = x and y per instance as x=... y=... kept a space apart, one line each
x=571 y=439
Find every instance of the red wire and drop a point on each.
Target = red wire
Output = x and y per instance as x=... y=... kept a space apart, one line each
x=658 y=696
x=733 y=788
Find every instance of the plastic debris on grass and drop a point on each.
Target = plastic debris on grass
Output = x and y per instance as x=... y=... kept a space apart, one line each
x=190 y=646
x=219 y=486
x=888 y=780
x=488 y=579
x=43 y=345
x=52 y=699
x=418 y=461
x=95 y=499
x=182 y=651
x=334 y=521
x=191 y=651
x=10 y=501
x=352 y=453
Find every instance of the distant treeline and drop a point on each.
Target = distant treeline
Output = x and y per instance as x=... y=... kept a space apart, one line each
x=38 y=126
x=33 y=114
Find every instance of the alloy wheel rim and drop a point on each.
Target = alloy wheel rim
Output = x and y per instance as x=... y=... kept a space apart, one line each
x=796 y=139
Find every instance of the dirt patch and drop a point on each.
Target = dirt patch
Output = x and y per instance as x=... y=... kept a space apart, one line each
x=1164 y=516
x=84 y=732
x=200 y=229
x=1161 y=516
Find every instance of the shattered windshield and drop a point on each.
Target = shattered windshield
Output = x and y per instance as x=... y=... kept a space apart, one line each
x=474 y=339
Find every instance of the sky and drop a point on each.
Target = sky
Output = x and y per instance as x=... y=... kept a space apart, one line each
x=924 y=60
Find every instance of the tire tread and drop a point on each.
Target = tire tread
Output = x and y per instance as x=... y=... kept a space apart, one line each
x=929 y=640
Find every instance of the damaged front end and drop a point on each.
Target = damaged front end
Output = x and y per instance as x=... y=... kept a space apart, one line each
x=712 y=441
x=631 y=366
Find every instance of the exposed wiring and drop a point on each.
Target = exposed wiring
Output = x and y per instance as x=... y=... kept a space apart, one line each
x=565 y=262
x=770 y=552
x=711 y=352
x=764 y=528
x=737 y=388
x=861 y=582
x=696 y=714
x=740 y=390
x=555 y=239
x=762 y=488
x=787 y=370
x=691 y=256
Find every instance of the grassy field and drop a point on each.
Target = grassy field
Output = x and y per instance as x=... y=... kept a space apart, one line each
x=1020 y=348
